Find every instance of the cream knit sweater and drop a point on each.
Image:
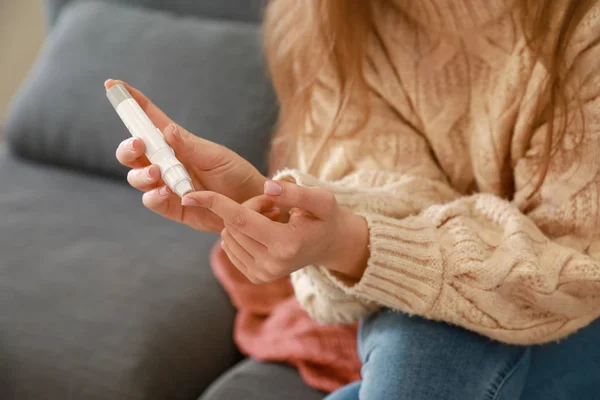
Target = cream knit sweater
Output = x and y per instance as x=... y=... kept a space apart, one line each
x=442 y=170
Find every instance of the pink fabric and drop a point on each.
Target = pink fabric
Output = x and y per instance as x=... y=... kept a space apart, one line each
x=271 y=326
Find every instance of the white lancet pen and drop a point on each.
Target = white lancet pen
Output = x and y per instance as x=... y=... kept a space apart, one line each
x=158 y=151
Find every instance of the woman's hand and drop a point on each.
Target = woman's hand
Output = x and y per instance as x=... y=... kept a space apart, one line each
x=318 y=232
x=211 y=167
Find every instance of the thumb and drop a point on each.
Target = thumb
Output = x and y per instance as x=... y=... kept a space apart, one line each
x=317 y=201
x=205 y=154
x=177 y=138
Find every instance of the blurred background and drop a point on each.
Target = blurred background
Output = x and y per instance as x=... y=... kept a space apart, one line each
x=21 y=35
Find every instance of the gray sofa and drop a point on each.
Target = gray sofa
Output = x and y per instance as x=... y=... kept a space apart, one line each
x=100 y=298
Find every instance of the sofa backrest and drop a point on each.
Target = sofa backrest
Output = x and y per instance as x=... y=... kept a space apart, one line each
x=238 y=10
x=208 y=74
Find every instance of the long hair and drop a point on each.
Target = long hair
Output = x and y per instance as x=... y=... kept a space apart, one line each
x=307 y=34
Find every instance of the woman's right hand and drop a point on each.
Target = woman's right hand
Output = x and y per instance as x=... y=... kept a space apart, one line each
x=211 y=167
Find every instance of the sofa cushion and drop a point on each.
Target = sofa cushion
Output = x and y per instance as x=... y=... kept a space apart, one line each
x=208 y=76
x=100 y=298
x=251 y=380
x=240 y=10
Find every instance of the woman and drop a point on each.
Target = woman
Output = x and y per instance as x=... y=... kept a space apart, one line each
x=446 y=165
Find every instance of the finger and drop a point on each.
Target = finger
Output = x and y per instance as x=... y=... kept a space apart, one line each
x=156 y=115
x=273 y=214
x=144 y=179
x=317 y=201
x=186 y=145
x=204 y=154
x=236 y=249
x=265 y=206
x=160 y=200
x=238 y=263
x=260 y=204
x=254 y=248
x=173 y=136
x=235 y=215
x=130 y=153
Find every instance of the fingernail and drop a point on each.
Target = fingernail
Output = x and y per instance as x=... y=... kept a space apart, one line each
x=149 y=173
x=273 y=188
x=173 y=129
x=222 y=244
x=107 y=82
x=163 y=191
x=131 y=144
x=186 y=201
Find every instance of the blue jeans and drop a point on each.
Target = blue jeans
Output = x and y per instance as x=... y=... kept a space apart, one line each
x=409 y=358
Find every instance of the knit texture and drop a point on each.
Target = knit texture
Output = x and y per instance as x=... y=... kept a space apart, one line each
x=443 y=169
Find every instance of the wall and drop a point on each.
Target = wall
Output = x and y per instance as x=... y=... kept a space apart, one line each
x=21 y=35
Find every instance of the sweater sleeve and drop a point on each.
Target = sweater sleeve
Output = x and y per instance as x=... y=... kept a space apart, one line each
x=519 y=275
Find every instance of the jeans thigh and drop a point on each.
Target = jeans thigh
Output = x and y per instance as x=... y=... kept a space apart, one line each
x=348 y=392
x=568 y=369
x=412 y=358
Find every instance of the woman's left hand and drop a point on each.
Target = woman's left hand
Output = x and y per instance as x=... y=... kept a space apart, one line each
x=318 y=232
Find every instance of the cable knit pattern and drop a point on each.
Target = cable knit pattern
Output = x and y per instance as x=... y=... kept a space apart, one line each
x=444 y=166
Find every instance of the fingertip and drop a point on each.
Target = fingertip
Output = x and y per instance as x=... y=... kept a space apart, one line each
x=130 y=150
x=113 y=82
x=155 y=197
x=273 y=214
x=108 y=83
x=200 y=198
x=164 y=191
x=273 y=188
x=188 y=201
x=148 y=198
x=138 y=145
x=173 y=134
x=154 y=172
x=273 y=210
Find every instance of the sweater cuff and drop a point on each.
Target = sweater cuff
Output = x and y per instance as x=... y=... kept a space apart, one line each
x=405 y=267
x=324 y=301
